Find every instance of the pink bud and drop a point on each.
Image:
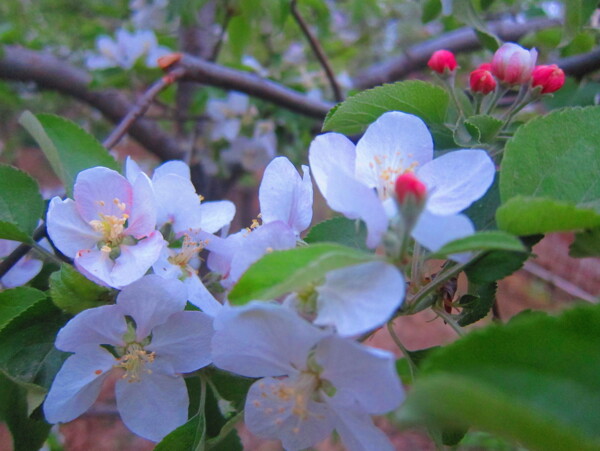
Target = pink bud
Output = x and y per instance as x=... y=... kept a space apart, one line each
x=442 y=61
x=482 y=81
x=512 y=64
x=408 y=186
x=550 y=78
x=485 y=66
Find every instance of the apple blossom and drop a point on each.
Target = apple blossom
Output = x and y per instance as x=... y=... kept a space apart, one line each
x=482 y=81
x=109 y=229
x=358 y=180
x=227 y=115
x=551 y=78
x=23 y=271
x=442 y=62
x=312 y=381
x=150 y=352
x=512 y=64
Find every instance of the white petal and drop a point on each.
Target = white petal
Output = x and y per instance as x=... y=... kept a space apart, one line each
x=21 y=273
x=77 y=384
x=96 y=266
x=433 y=231
x=96 y=326
x=184 y=340
x=177 y=203
x=270 y=414
x=142 y=218
x=285 y=196
x=457 y=179
x=396 y=142
x=347 y=365
x=328 y=154
x=132 y=170
x=359 y=298
x=216 y=215
x=176 y=167
x=262 y=339
x=67 y=230
x=150 y=301
x=156 y=404
x=199 y=295
x=136 y=260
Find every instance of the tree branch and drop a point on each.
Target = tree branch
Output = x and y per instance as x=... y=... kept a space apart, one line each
x=580 y=65
x=457 y=41
x=318 y=51
x=48 y=72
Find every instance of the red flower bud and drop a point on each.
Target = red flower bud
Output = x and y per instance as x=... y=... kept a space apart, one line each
x=482 y=81
x=442 y=61
x=409 y=186
x=485 y=66
x=512 y=64
x=550 y=78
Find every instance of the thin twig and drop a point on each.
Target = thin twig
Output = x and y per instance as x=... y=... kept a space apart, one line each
x=559 y=282
x=217 y=48
x=411 y=363
x=449 y=320
x=317 y=49
x=141 y=107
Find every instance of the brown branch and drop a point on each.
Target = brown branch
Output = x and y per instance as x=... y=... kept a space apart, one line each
x=48 y=72
x=579 y=65
x=213 y=74
x=457 y=41
x=318 y=51
x=141 y=107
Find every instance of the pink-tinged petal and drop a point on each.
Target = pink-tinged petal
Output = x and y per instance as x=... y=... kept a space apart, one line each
x=132 y=170
x=285 y=196
x=270 y=414
x=151 y=301
x=96 y=266
x=201 y=297
x=356 y=201
x=457 y=179
x=269 y=237
x=184 y=340
x=67 y=230
x=347 y=365
x=177 y=203
x=23 y=271
x=216 y=215
x=95 y=192
x=394 y=143
x=77 y=384
x=136 y=260
x=433 y=231
x=262 y=339
x=97 y=326
x=328 y=154
x=357 y=431
x=156 y=404
x=221 y=250
x=142 y=218
x=175 y=167
x=359 y=298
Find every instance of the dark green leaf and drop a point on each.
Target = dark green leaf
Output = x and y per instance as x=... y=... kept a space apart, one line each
x=348 y=232
x=16 y=301
x=416 y=97
x=282 y=272
x=481 y=241
x=483 y=212
x=67 y=146
x=586 y=244
x=73 y=292
x=466 y=12
x=431 y=9
x=21 y=204
x=477 y=304
x=183 y=438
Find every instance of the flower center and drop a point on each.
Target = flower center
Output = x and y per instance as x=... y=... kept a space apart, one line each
x=387 y=173
x=134 y=362
x=110 y=226
x=189 y=249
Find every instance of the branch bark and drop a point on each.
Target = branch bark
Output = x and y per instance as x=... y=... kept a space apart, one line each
x=457 y=41
x=48 y=72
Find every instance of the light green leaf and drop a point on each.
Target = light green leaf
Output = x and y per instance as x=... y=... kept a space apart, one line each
x=67 y=146
x=21 y=204
x=465 y=11
x=534 y=380
x=416 y=97
x=577 y=14
x=281 y=272
x=552 y=163
x=73 y=292
x=348 y=232
x=483 y=128
x=481 y=241
x=239 y=31
x=15 y=301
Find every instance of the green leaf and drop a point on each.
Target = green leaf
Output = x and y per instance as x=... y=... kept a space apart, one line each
x=552 y=163
x=183 y=438
x=73 y=292
x=16 y=301
x=21 y=204
x=431 y=10
x=477 y=304
x=28 y=434
x=483 y=211
x=344 y=231
x=586 y=244
x=416 y=97
x=534 y=380
x=481 y=241
x=67 y=146
x=239 y=31
x=577 y=14
x=483 y=128
x=281 y=272
x=466 y=12
x=27 y=352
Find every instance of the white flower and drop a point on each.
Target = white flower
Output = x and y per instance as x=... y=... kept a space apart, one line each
x=227 y=115
x=23 y=271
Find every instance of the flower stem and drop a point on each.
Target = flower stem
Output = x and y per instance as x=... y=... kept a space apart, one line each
x=49 y=255
x=200 y=437
x=448 y=318
x=411 y=363
x=225 y=430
